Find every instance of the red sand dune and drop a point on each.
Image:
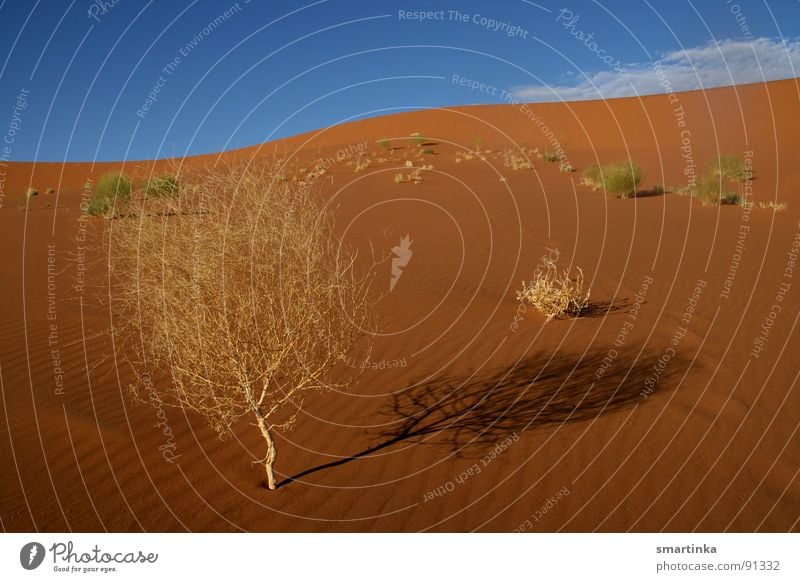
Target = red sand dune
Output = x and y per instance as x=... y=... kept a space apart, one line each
x=504 y=415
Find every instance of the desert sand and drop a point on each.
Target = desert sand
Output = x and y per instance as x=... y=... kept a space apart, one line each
x=672 y=405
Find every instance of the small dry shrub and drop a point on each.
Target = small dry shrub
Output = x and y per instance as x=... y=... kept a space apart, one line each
x=553 y=293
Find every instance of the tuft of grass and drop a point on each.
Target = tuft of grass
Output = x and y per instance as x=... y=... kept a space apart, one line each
x=384 y=143
x=160 y=187
x=112 y=190
x=50 y=191
x=477 y=142
x=419 y=139
x=728 y=167
x=709 y=191
x=554 y=294
x=593 y=177
x=551 y=157
x=659 y=189
x=621 y=179
x=31 y=193
x=565 y=168
x=428 y=151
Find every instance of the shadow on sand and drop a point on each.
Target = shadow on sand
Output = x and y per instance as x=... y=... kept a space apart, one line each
x=471 y=413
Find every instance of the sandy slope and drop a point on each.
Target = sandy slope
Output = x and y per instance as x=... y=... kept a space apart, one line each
x=713 y=447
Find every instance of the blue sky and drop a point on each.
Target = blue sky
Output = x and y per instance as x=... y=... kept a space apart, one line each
x=135 y=80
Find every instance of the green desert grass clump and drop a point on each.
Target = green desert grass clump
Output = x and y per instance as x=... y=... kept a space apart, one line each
x=31 y=193
x=111 y=190
x=593 y=177
x=163 y=186
x=418 y=138
x=554 y=294
x=728 y=167
x=621 y=179
x=709 y=191
x=551 y=157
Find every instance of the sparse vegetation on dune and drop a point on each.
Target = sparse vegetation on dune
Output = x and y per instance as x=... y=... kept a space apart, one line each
x=728 y=167
x=710 y=191
x=112 y=190
x=554 y=294
x=516 y=160
x=237 y=302
x=551 y=157
x=163 y=186
x=622 y=179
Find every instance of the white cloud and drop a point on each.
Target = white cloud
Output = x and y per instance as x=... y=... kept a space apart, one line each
x=725 y=62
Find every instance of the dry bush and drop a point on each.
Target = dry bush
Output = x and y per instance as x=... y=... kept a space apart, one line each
x=554 y=294
x=243 y=294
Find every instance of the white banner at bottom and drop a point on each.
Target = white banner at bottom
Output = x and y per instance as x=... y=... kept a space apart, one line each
x=400 y=557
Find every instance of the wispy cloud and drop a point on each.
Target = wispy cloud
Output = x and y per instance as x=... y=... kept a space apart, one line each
x=716 y=64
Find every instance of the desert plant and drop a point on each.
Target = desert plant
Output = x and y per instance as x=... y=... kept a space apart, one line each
x=565 y=168
x=551 y=157
x=384 y=143
x=477 y=142
x=554 y=294
x=709 y=191
x=728 y=167
x=163 y=186
x=621 y=179
x=111 y=190
x=428 y=151
x=593 y=177
x=419 y=139
x=50 y=191
x=31 y=193
x=243 y=297
x=516 y=160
